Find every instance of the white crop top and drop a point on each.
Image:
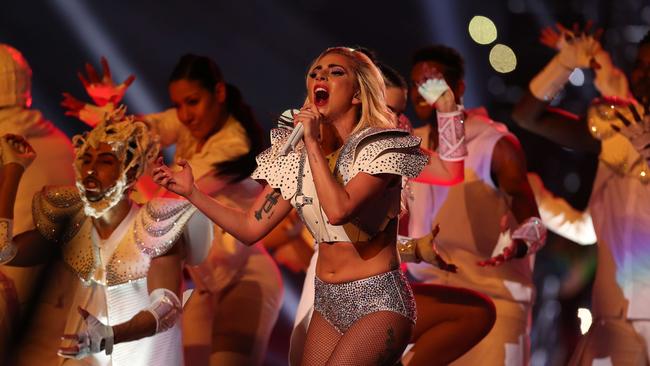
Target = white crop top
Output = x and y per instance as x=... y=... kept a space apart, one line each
x=372 y=151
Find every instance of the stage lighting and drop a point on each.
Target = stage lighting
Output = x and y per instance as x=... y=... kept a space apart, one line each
x=482 y=30
x=585 y=319
x=503 y=58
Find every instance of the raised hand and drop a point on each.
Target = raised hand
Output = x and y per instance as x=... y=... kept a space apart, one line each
x=15 y=149
x=577 y=47
x=90 y=114
x=103 y=90
x=435 y=90
x=506 y=247
x=96 y=337
x=637 y=130
x=180 y=182
x=311 y=120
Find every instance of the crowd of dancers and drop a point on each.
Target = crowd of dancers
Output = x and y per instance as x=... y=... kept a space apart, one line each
x=418 y=244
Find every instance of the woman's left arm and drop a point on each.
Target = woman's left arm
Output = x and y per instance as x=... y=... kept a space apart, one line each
x=441 y=172
x=339 y=202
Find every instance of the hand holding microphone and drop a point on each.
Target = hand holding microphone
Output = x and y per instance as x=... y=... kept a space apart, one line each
x=286 y=121
x=308 y=116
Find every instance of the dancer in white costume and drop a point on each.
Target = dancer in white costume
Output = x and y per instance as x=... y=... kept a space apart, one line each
x=618 y=132
x=128 y=258
x=53 y=165
x=364 y=310
x=478 y=218
x=215 y=131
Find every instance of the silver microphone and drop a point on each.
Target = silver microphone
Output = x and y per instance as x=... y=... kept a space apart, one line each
x=286 y=121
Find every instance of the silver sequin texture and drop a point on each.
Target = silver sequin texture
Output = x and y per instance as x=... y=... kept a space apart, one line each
x=58 y=212
x=342 y=304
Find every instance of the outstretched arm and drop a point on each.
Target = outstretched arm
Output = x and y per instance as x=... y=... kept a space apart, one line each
x=509 y=166
x=164 y=284
x=560 y=126
x=247 y=226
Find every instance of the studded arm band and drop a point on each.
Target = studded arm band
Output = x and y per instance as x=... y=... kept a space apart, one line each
x=7 y=247
x=165 y=307
x=451 y=136
x=532 y=232
x=406 y=249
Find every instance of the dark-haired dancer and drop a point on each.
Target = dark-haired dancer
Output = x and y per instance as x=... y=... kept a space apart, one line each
x=491 y=214
x=618 y=131
x=238 y=288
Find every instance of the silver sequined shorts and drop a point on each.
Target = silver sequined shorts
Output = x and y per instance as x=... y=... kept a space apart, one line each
x=342 y=304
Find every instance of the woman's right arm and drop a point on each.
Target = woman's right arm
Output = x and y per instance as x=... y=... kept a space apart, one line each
x=533 y=113
x=247 y=226
x=556 y=125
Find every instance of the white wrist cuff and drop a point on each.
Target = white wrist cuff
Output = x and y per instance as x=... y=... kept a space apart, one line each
x=165 y=307
x=7 y=247
x=532 y=232
x=550 y=80
x=451 y=136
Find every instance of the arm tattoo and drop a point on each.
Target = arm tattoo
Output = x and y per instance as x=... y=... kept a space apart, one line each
x=267 y=206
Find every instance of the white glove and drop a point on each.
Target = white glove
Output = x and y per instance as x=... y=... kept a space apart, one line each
x=432 y=89
x=94 y=339
x=15 y=149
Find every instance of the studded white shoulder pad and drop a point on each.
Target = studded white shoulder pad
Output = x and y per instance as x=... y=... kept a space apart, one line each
x=279 y=171
x=380 y=150
x=58 y=212
x=160 y=223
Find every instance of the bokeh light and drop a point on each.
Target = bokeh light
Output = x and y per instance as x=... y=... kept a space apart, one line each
x=482 y=30
x=503 y=58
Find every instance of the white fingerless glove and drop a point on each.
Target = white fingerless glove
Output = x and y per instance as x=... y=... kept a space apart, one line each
x=91 y=340
x=166 y=307
x=432 y=89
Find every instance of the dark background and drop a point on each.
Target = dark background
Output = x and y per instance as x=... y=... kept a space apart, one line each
x=264 y=47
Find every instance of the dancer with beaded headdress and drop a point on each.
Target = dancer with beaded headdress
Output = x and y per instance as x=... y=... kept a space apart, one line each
x=128 y=258
x=214 y=129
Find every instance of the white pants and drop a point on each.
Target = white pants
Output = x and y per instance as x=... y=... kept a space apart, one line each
x=303 y=314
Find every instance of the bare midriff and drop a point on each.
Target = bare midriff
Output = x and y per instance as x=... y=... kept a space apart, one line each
x=340 y=262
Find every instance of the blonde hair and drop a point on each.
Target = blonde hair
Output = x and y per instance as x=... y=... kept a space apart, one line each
x=372 y=90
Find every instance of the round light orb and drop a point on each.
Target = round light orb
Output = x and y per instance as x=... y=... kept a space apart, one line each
x=482 y=30
x=503 y=58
